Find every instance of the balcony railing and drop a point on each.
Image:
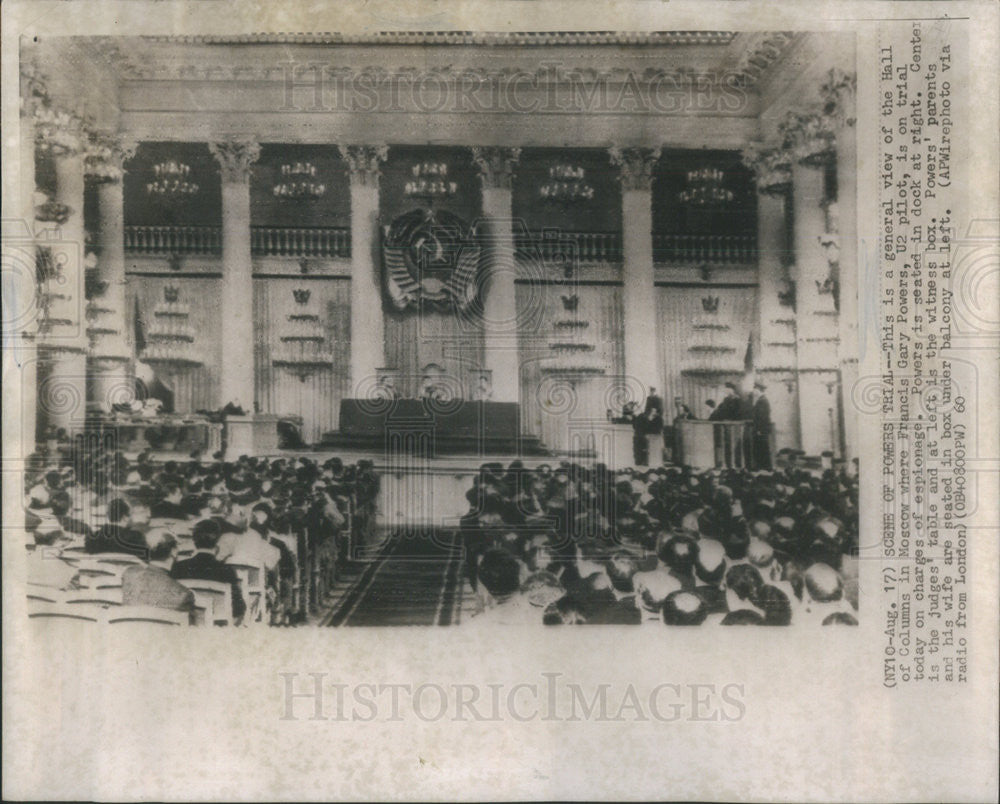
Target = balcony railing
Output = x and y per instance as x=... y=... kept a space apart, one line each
x=264 y=240
x=173 y=239
x=329 y=242
x=578 y=246
x=316 y=242
x=671 y=249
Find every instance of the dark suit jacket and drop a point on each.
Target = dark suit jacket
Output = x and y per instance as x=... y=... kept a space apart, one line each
x=168 y=510
x=206 y=567
x=762 y=416
x=727 y=410
x=73 y=525
x=113 y=539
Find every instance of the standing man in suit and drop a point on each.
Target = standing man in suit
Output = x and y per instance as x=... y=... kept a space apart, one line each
x=730 y=408
x=152 y=585
x=761 y=424
x=653 y=423
x=654 y=411
x=205 y=566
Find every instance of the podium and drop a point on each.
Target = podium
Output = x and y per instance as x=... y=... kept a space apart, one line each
x=251 y=435
x=614 y=446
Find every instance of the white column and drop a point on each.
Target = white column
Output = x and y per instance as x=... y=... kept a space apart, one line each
x=111 y=351
x=642 y=340
x=62 y=391
x=496 y=168
x=20 y=304
x=776 y=361
x=367 y=325
x=815 y=316
x=237 y=326
x=848 y=237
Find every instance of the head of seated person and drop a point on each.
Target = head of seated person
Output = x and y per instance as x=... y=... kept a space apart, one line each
x=621 y=569
x=118 y=512
x=684 y=608
x=60 y=503
x=775 y=604
x=710 y=564
x=679 y=554
x=140 y=515
x=47 y=535
x=840 y=618
x=760 y=553
x=654 y=587
x=565 y=611
x=744 y=581
x=826 y=542
x=500 y=573
x=823 y=583
x=542 y=589
x=162 y=546
x=260 y=517
x=541 y=557
x=206 y=534
x=736 y=540
x=743 y=617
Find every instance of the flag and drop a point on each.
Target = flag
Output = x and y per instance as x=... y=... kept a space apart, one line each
x=138 y=329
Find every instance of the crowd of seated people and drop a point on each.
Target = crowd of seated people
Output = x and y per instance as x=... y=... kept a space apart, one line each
x=285 y=525
x=570 y=544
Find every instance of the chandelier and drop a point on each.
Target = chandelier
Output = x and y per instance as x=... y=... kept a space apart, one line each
x=566 y=185
x=430 y=180
x=704 y=188
x=172 y=180
x=298 y=182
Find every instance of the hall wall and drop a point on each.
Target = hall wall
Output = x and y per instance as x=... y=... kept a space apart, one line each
x=700 y=351
x=315 y=394
x=195 y=387
x=554 y=406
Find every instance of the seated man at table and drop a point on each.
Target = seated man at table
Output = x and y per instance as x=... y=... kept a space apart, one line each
x=117 y=535
x=170 y=505
x=151 y=585
x=205 y=566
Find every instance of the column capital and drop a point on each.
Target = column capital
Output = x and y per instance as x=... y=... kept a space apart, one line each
x=59 y=132
x=495 y=165
x=235 y=158
x=105 y=158
x=364 y=162
x=635 y=166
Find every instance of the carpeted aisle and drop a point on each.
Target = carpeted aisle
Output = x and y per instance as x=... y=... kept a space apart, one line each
x=416 y=579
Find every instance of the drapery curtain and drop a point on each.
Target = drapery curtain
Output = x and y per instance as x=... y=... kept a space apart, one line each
x=315 y=393
x=560 y=407
x=194 y=387
x=701 y=350
x=416 y=338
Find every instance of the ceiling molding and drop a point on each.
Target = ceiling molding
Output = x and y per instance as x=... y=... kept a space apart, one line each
x=494 y=38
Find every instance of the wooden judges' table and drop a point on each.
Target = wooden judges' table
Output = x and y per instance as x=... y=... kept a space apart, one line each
x=419 y=425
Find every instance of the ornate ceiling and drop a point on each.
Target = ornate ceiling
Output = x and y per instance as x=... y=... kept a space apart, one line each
x=263 y=57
